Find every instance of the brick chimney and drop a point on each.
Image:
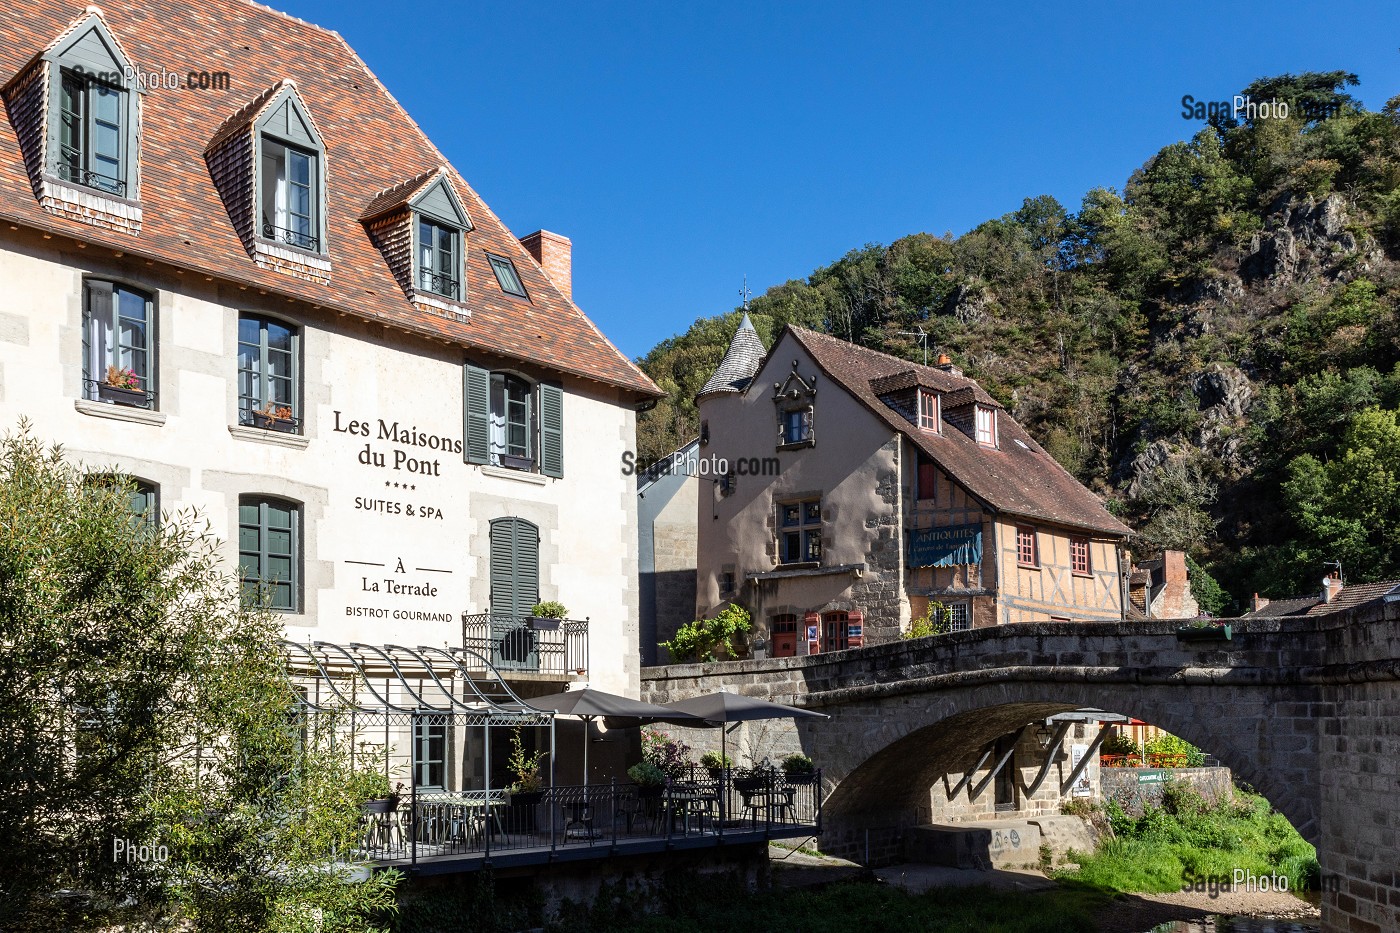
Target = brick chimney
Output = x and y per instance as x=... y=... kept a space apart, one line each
x=1177 y=600
x=1257 y=603
x=1331 y=585
x=555 y=254
x=945 y=363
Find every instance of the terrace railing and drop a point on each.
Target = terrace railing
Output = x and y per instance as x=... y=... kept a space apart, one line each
x=473 y=824
x=525 y=644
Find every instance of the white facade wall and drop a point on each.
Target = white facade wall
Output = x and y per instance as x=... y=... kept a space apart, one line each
x=352 y=511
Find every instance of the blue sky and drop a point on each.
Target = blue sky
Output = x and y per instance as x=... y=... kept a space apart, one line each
x=684 y=146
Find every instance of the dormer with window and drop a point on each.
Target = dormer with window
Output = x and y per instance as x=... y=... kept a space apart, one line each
x=77 y=120
x=975 y=413
x=910 y=394
x=421 y=227
x=268 y=162
x=795 y=399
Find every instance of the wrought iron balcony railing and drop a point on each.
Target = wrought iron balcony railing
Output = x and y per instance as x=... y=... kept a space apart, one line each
x=291 y=237
x=90 y=179
x=439 y=283
x=527 y=644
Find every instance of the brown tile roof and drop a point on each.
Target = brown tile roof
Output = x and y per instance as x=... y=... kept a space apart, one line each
x=371 y=145
x=396 y=196
x=1353 y=595
x=1284 y=607
x=1019 y=478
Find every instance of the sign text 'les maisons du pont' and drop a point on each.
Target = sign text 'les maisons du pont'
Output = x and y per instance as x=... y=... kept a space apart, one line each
x=404 y=456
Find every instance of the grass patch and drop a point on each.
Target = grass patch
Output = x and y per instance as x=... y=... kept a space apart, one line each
x=1188 y=836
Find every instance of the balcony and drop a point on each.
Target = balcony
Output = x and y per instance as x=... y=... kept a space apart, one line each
x=514 y=644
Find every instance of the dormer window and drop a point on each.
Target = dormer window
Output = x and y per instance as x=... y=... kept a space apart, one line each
x=928 y=411
x=288 y=200
x=76 y=118
x=439 y=258
x=986 y=426
x=92 y=129
x=795 y=399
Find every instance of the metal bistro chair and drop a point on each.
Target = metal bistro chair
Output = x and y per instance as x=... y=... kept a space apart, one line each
x=381 y=826
x=579 y=813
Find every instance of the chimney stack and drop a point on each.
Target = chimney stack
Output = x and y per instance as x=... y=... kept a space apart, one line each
x=945 y=363
x=554 y=253
x=1331 y=585
x=1258 y=602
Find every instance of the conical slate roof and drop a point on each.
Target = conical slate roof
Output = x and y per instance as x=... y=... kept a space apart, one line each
x=740 y=363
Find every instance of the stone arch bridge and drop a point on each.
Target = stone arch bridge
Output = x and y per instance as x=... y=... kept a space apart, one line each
x=1307 y=710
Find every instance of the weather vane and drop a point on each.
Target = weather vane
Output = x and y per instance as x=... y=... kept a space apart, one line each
x=744 y=293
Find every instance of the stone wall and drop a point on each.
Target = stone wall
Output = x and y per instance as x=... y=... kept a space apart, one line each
x=1128 y=787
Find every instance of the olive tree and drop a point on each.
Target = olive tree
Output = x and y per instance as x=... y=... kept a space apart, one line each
x=154 y=769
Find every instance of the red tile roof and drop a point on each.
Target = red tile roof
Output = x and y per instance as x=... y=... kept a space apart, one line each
x=1019 y=478
x=371 y=145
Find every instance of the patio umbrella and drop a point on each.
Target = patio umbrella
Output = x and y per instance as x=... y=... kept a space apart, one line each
x=725 y=707
x=589 y=704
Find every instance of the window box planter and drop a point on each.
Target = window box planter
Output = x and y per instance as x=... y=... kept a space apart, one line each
x=382 y=805
x=650 y=791
x=1205 y=633
x=273 y=423
x=800 y=777
x=121 y=396
x=517 y=463
x=543 y=623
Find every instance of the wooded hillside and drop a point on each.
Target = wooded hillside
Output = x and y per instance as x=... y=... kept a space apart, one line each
x=1213 y=349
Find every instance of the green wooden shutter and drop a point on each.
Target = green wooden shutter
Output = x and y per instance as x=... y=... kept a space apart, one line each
x=476 y=407
x=515 y=567
x=551 y=429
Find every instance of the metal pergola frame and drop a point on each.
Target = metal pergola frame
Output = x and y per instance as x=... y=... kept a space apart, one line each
x=388 y=685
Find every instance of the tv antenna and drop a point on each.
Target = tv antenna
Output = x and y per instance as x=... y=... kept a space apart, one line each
x=923 y=339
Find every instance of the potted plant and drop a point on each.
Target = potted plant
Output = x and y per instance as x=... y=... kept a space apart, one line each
x=650 y=779
x=749 y=779
x=798 y=769
x=1205 y=629
x=715 y=763
x=275 y=418
x=546 y=616
x=122 y=386
x=528 y=788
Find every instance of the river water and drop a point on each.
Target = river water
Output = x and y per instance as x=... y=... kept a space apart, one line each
x=1221 y=924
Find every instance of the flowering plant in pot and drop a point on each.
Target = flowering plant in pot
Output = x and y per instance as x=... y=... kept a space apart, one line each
x=275 y=418
x=121 y=385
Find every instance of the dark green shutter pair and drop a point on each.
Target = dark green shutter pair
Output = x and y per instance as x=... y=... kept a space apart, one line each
x=476 y=428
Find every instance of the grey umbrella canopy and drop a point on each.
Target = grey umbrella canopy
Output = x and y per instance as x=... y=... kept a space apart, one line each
x=726 y=707
x=735 y=707
x=589 y=704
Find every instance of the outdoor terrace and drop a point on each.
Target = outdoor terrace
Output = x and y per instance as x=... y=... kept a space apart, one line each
x=435 y=833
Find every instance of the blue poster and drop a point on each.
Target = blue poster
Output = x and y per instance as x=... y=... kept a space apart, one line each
x=945 y=547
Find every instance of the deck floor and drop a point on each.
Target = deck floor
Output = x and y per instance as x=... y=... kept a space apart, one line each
x=516 y=849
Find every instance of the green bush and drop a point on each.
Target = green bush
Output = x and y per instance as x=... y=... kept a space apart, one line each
x=798 y=763
x=549 y=610
x=703 y=639
x=936 y=620
x=1167 y=744
x=714 y=761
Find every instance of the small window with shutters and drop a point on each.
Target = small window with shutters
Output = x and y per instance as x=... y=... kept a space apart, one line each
x=927 y=479
x=511 y=422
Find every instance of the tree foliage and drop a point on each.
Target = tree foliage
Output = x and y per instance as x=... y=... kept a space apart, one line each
x=126 y=650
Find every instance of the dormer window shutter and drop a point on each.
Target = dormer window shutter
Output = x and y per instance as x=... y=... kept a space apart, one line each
x=476 y=405
x=551 y=429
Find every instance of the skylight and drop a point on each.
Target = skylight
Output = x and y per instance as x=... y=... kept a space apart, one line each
x=506 y=276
